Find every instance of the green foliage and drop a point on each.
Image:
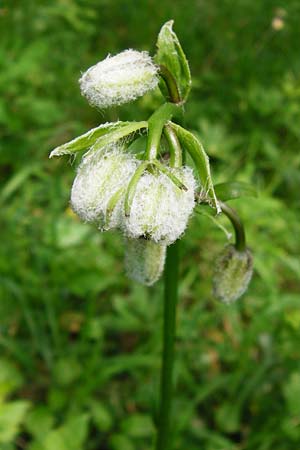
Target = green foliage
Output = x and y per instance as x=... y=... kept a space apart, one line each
x=170 y=54
x=80 y=344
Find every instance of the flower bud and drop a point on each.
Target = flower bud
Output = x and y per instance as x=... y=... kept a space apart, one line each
x=144 y=260
x=160 y=210
x=119 y=79
x=102 y=176
x=232 y=274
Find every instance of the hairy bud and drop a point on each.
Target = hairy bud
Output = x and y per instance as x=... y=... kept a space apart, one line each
x=160 y=210
x=232 y=274
x=144 y=260
x=119 y=79
x=101 y=180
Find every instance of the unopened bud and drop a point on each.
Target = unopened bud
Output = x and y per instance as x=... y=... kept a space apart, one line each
x=160 y=210
x=119 y=79
x=232 y=274
x=144 y=260
x=101 y=175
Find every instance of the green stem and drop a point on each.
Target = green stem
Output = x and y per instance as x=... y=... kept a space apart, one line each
x=155 y=127
x=169 y=327
x=174 y=146
x=131 y=189
x=169 y=174
x=240 y=237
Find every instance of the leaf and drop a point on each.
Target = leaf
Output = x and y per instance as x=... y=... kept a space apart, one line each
x=11 y=416
x=39 y=421
x=170 y=54
x=102 y=136
x=101 y=416
x=138 y=426
x=228 y=417
x=120 y=442
x=234 y=189
x=10 y=378
x=71 y=435
x=201 y=160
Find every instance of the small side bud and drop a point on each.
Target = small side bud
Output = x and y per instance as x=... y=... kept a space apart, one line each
x=144 y=260
x=119 y=79
x=101 y=178
x=232 y=274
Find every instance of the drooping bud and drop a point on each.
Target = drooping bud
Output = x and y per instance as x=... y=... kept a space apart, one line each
x=232 y=274
x=119 y=79
x=144 y=260
x=98 y=190
x=160 y=210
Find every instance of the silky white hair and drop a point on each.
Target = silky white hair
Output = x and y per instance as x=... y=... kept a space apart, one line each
x=119 y=79
x=100 y=176
x=144 y=260
x=160 y=210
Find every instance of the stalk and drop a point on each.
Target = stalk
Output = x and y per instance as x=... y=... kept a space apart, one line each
x=169 y=332
x=163 y=441
x=240 y=238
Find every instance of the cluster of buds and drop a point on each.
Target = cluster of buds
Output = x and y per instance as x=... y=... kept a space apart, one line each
x=114 y=190
x=149 y=199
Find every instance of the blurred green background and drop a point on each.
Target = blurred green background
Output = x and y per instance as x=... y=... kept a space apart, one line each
x=79 y=343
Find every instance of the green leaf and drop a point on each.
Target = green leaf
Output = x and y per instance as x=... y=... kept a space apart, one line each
x=101 y=416
x=201 y=161
x=138 y=426
x=71 y=435
x=120 y=442
x=11 y=416
x=101 y=136
x=10 y=378
x=39 y=421
x=228 y=417
x=234 y=189
x=170 y=54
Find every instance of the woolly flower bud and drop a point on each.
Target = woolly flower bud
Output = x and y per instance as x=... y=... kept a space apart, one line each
x=119 y=79
x=101 y=175
x=160 y=210
x=233 y=272
x=144 y=260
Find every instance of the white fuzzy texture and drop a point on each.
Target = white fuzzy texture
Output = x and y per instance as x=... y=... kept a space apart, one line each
x=119 y=79
x=100 y=175
x=160 y=210
x=144 y=260
x=232 y=274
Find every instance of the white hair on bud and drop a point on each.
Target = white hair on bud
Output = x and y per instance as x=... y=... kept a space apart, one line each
x=119 y=79
x=100 y=175
x=144 y=260
x=160 y=210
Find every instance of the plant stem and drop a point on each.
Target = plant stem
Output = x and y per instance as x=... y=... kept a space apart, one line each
x=169 y=331
x=174 y=146
x=240 y=237
x=155 y=127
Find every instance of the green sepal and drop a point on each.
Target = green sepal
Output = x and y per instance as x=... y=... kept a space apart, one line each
x=194 y=147
x=102 y=136
x=170 y=54
x=234 y=189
